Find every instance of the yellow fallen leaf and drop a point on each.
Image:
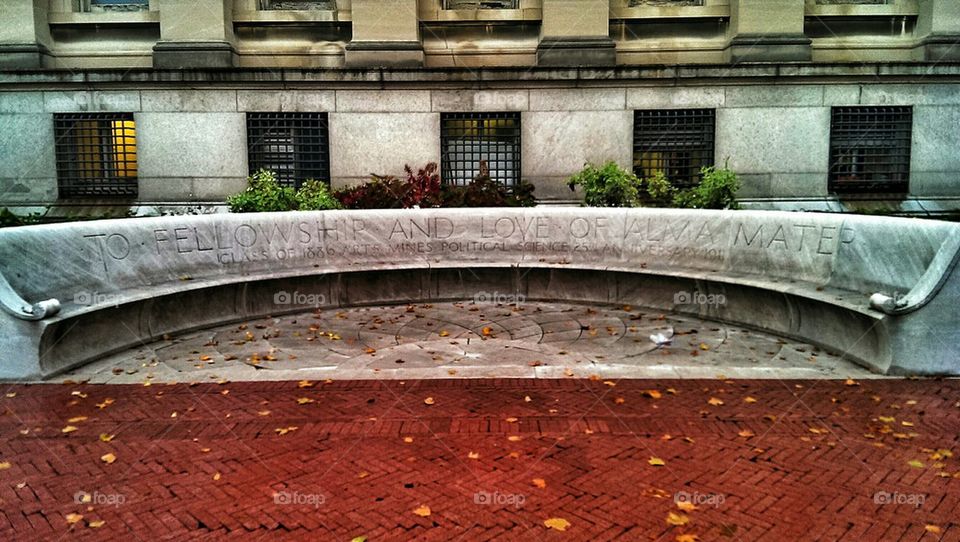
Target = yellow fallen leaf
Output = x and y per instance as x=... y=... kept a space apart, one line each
x=933 y=529
x=653 y=394
x=514 y=438
x=906 y=424
x=304 y=384
x=568 y=372
x=746 y=433
x=557 y=524
x=511 y=420
x=715 y=402
x=73 y=518
x=96 y=524
x=677 y=519
x=687 y=538
x=12 y=394
x=77 y=419
x=749 y=399
x=686 y=506
x=104 y=437
x=4 y=465
x=487 y=331
x=264 y=413
x=656 y=462
x=444 y=333
x=408 y=440
x=540 y=482
x=369 y=350
x=619 y=400
x=68 y=429
x=422 y=511
x=216 y=476
x=851 y=382
x=915 y=464
x=428 y=401
x=108 y=458
x=284 y=430
x=886 y=419
x=473 y=455
x=304 y=400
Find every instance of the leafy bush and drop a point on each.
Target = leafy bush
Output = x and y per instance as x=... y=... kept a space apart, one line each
x=264 y=194
x=613 y=186
x=8 y=219
x=717 y=190
x=315 y=196
x=607 y=186
x=424 y=189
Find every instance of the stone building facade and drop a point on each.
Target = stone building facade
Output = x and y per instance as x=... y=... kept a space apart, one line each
x=167 y=105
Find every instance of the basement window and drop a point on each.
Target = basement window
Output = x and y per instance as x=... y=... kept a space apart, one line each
x=294 y=146
x=474 y=144
x=480 y=4
x=676 y=142
x=299 y=5
x=96 y=155
x=870 y=149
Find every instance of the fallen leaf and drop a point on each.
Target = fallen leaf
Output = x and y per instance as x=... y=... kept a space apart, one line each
x=933 y=529
x=108 y=458
x=444 y=333
x=746 y=433
x=216 y=476
x=96 y=524
x=12 y=394
x=511 y=420
x=487 y=331
x=304 y=400
x=408 y=440
x=851 y=382
x=428 y=401
x=359 y=539
x=619 y=400
x=686 y=506
x=886 y=419
x=264 y=413
x=77 y=419
x=284 y=430
x=104 y=437
x=73 y=518
x=557 y=524
x=749 y=400
x=514 y=438
x=915 y=464
x=473 y=455
x=422 y=511
x=715 y=402
x=656 y=462
x=304 y=384
x=677 y=519
x=4 y=465
x=68 y=429
x=568 y=372
x=369 y=350
x=687 y=538
x=653 y=394
x=540 y=482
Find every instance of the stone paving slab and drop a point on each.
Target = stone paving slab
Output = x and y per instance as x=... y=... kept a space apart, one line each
x=468 y=340
x=492 y=459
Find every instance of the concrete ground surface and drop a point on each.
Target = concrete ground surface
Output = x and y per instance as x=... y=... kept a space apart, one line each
x=464 y=421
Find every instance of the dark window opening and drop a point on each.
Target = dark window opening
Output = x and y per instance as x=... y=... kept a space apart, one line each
x=677 y=142
x=480 y=4
x=294 y=146
x=96 y=155
x=475 y=143
x=870 y=149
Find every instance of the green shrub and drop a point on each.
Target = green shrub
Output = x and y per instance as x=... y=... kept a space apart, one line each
x=607 y=186
x=9 y=219
x=657 y=191
x=315 y=196
x=717 y=190
x=264 y=194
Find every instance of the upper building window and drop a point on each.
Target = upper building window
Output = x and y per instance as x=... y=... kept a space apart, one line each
x=870 y=149
x=480 y=4
x=96 y=155
x=117 y=5
x=475 y=144
x=325 y=5
x=635 y=3
x=294 y=146
x=676 y=142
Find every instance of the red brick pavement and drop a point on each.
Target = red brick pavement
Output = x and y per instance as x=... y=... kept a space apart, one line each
x=366 y=454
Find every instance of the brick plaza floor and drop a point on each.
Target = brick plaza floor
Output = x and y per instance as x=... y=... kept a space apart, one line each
x=483 y=460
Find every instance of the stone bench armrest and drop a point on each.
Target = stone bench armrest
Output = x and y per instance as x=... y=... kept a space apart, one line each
x=927 y=287
x=11 y=302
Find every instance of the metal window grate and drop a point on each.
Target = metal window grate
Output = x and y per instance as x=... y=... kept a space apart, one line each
x=96 y=155
x=870 y=149
x=117 y=5
x=677 y=142
x=467 y=139
x=295 y=146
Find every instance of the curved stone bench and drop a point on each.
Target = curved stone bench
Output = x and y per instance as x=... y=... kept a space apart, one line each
x=882 y=292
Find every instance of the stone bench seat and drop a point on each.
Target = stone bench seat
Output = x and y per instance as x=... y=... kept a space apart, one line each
x=879 y=291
